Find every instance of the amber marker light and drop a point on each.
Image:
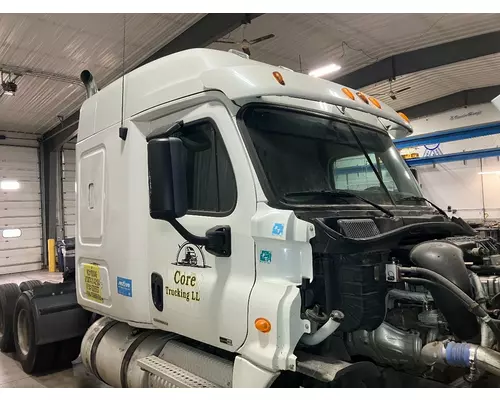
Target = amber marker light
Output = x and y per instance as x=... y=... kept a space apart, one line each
x=402 y=115
x=262 y=325
x=375 y=102
x=279 y=78
x=348 y=93
x=362 y=97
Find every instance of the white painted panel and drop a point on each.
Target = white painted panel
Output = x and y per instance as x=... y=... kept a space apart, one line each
x=491 y=185
x=20 y=208
x=460 y=185
x=20 y=222
x=70 y=231
x=19 y=139
x=458 y=118
x=20 y=256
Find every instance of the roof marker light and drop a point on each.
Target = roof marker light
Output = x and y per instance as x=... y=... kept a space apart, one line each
x=279 y=78
x=375 y=102
x=402 y=115
x=362 y=97
x=348 y=93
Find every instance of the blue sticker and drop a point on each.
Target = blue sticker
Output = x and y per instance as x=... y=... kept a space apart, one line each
x=278 y=229
x=124 y=286
x=265 y=256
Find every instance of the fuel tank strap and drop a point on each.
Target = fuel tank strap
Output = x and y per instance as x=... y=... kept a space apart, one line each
x=128 y=355
x=95 y=345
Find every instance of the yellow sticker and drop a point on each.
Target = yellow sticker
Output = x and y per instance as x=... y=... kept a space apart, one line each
x=92 y=278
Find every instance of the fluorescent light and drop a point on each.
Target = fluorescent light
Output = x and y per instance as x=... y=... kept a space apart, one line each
x=327 y=69
x=9 y=185
x=489 y=173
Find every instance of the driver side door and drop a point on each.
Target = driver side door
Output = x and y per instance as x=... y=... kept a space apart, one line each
x=205 y=297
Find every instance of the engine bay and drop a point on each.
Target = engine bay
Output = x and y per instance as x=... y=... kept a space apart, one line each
x=420 y=297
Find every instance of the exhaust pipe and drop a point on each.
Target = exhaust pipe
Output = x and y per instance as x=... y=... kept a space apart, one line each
x=89 y=83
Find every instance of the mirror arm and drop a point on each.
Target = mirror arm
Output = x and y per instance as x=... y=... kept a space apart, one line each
x=217 y=242
x=197 y=240
x=174 y=128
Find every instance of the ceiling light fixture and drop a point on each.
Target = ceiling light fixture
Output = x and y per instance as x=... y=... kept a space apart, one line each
x=8 y=82
x=327 y=69
x=9 y=88
x=489 y=173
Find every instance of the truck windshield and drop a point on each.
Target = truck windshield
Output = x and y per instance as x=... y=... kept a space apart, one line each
x=308 y=159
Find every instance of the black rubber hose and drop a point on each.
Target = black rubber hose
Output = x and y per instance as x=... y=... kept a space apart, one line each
x=470 y=303
x=423 y=281
x=476 y=309
x=447 y=260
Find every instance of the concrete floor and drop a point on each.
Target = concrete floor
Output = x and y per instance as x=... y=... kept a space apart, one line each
x=11 y=373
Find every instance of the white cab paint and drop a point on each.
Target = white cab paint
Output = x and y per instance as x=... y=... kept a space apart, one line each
x=121 y=245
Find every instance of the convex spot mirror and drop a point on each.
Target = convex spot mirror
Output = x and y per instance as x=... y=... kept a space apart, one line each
x=167 y=166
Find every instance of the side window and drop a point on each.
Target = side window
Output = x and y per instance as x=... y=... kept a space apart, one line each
x=211 y=181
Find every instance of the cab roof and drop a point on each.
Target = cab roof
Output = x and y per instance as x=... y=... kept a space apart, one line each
x=198 y=70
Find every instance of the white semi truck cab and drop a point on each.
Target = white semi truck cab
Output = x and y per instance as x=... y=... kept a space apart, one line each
x=244 y=225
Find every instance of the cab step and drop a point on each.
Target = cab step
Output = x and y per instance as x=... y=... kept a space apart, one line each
x=167 y=375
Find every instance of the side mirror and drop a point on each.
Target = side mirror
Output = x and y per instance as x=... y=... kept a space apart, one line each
x=167 y=170
x=168 y=195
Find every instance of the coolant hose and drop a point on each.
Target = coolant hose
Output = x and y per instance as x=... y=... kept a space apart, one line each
x=461 y=355
x=325 y=331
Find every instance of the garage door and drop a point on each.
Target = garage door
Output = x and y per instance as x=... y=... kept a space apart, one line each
x=20 y=210
x=69 y=194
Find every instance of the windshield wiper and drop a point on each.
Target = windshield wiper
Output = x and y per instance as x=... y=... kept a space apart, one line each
x=341 y=193
x=377 y=174
x=418 y=198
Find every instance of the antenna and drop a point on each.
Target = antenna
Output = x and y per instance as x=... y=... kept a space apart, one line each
x=123 y=130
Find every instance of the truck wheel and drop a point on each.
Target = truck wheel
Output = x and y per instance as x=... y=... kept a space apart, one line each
x=33 y=358
x=9 y=293
x=28 y=285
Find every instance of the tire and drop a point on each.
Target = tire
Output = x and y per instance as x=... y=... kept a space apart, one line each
x=33 y=358
x=9 y=293
x=28 y=285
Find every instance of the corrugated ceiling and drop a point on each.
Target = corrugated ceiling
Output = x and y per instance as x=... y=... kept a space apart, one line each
x=66 y=44
x=438 y=82
x=307 y=41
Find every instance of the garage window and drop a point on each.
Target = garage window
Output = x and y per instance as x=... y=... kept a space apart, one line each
x=9 y=185
x=11 y=233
